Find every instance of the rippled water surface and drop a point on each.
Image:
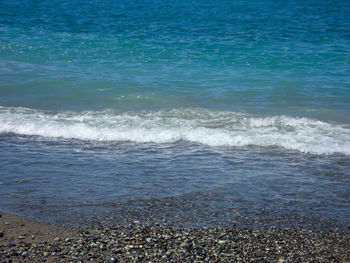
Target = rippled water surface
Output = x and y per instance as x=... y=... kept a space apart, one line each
x=194 y=113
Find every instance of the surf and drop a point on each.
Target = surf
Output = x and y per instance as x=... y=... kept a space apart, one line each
x=211 y=128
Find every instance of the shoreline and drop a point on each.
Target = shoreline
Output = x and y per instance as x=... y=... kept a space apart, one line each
x=22 y=240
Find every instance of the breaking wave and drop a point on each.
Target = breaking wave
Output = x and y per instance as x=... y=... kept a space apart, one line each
x=193 y=125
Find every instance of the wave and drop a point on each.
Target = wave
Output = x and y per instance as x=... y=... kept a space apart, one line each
x=193 y=125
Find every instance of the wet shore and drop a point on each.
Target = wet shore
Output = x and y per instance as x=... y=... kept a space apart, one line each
x=22 y=240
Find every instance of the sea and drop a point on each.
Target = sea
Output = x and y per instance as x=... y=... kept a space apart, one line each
x=189 y=113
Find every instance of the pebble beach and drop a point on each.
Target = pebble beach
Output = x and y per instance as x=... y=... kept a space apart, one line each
x=174 y=131
x=22 y=240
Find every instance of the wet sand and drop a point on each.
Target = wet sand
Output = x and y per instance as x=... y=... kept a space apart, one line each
x=22 y=240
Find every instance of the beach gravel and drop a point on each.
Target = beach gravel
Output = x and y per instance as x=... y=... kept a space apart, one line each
x=26 y=241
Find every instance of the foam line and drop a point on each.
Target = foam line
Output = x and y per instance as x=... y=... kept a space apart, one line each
x=193 y=125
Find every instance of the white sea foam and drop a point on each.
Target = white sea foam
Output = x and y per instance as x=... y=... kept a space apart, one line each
x=196 y=125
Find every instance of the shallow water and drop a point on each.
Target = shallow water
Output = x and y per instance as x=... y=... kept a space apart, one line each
x=180 y=183
x=191 y=113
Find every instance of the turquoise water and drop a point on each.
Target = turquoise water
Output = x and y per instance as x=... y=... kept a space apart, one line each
x=226 y=82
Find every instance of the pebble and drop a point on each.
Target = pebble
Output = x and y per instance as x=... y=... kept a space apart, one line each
x=139 y=243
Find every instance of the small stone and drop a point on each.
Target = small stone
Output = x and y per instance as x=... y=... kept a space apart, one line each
x=1 y=234
x=113 y=260
x=21 y=237
x=7 y=223
x=46 y=254
x=239 y=239
x=56 y=239
x=11 y=244
x=117 y=250
x=183 y=244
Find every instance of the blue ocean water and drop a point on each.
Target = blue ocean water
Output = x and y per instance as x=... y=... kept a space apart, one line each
x=212 y=112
